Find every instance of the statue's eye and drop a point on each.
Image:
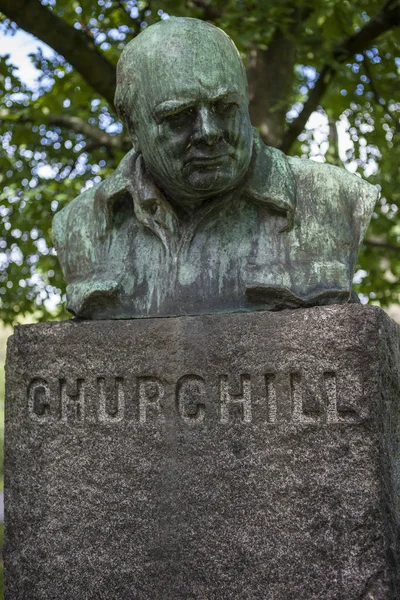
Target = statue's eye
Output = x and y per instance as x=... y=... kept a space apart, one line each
x=181 y=116
x=223 y=106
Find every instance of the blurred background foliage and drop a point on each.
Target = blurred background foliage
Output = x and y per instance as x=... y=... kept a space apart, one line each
x=336 y=59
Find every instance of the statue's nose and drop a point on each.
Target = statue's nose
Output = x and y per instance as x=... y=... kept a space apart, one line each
x=207 y=129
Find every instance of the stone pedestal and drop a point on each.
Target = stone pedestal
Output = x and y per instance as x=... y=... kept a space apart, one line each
x=226 y=457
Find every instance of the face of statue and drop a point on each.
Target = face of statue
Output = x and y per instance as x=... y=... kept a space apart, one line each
x=192 y=123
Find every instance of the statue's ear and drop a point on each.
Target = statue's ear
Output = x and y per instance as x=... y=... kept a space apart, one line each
x=134 y=140
x=129 y=127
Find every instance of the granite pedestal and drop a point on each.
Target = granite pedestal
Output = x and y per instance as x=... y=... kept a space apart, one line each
x=227 y=457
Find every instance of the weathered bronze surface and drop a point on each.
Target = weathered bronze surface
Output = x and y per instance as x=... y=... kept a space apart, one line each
x=201 y=216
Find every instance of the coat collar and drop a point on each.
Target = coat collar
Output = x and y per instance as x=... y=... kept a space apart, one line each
x=269 y=182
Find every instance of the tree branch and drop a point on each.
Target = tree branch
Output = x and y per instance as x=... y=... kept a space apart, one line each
x=371 y=81
x=389 y=247
x=388 y=18
x=98 y=137
x=135 y=22
x=76 y=47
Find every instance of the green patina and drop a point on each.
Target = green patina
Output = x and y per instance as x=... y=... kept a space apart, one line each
x=201 y=216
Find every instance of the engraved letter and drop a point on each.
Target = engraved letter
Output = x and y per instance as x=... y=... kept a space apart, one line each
x=113 y=410
x=298 y=413
x=72 y=401
x=151 y=395
x=39 y=400
x=339 y=411
x=242 y=400
x=190 y=390
x=331 y=397
x=271 y=398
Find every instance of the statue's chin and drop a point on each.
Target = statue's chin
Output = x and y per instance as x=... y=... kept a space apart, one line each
x=209 y=181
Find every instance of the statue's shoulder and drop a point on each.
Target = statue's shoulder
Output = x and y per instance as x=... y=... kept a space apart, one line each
x=330 y=178
x=288 y=181
x=89 y=215
x=77 y=212
x=335 y=189
x=74 y=235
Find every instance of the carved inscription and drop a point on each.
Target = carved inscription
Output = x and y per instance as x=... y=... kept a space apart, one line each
x=339 y=410
x=242 y=400
x=271 y=398
x=299 y=415
x=72 y=400
x=191 y=398
x=270 y=391
x=331 y=397
x=39 y=400
x=151 y=396
x=111 y=406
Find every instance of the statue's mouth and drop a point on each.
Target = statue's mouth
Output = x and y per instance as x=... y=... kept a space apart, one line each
x=207 y=162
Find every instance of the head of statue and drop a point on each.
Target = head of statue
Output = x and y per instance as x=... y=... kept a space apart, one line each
x=182 y=94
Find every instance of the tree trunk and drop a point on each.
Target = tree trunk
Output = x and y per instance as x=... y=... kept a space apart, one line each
x=270 y=75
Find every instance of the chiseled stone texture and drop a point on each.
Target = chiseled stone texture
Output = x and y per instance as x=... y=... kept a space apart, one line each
x=225 y=457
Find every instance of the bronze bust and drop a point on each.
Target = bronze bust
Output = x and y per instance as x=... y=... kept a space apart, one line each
x=200 y=216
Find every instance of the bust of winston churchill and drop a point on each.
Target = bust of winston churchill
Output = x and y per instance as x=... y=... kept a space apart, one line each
x=200 y=216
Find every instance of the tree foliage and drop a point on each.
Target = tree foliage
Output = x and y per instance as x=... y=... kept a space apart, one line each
x=338 y=57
